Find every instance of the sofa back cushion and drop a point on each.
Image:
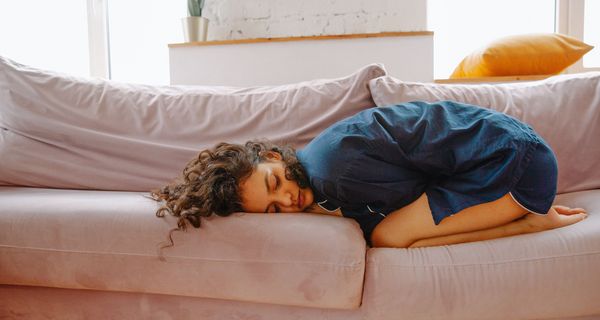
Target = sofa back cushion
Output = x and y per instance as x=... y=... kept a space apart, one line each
x=66 y=132
x=564 y=110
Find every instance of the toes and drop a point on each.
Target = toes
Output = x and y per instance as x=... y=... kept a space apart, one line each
x=576 y=211
x=568 y=211
x=574 y=218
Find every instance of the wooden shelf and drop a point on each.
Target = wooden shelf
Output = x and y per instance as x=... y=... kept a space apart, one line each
x=275 y=61
x=286 y=39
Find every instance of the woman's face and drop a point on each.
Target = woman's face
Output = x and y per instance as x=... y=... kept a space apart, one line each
x=267 y=190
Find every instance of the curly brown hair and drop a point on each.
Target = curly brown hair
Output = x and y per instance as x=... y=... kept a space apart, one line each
x=210 y=183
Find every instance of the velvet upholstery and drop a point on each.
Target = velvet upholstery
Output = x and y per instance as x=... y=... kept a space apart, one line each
x=60 y=131
x=547 y=275
x=109 y=240
x=92 y=254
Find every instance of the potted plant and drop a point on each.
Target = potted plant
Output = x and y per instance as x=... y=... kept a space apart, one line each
x=195 y=26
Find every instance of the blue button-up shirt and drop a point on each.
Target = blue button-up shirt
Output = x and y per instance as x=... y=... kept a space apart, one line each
x=382 y=159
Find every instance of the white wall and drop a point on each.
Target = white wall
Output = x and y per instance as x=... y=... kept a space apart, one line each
x=248 y=19
x=246 y=64
x=274 y=62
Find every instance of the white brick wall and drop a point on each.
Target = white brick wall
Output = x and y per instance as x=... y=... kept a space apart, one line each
x=248 y=19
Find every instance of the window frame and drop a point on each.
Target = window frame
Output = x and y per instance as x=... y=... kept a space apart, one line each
x=98 y=38
x=569 y=20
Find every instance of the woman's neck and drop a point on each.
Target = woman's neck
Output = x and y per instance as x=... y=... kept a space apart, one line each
x=315 y=208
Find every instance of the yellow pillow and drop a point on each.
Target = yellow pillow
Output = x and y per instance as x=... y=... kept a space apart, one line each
x=529 y=54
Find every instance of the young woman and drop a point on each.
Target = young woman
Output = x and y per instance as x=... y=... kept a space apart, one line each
x=412 y=175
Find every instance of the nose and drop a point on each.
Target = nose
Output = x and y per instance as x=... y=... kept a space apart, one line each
x=284 y=198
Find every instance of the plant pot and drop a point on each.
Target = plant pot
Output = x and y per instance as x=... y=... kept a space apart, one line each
x=194 y=28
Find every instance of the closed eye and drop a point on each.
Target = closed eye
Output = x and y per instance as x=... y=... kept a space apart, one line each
x=276 y=186
x=277 y=182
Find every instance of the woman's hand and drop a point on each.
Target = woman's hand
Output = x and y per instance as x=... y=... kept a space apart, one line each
x=557 y=216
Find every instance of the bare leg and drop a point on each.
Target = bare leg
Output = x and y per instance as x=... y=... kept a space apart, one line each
x=558 y=216
x=510 y=229
x=414 y=222
x=408 y=225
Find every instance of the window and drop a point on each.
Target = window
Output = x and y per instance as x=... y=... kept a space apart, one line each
x=591 y=33
x=462 y=26
x=134 y=34
x=580 y=19
x=50 y=35
x=53 y=35
x=139 y=33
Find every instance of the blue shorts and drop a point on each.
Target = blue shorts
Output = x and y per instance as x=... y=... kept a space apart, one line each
x=536 y=189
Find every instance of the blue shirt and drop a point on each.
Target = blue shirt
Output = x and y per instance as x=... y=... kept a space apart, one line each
x=382 y=159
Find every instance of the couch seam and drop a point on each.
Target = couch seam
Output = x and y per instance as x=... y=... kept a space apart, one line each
x=350 y=265
x=371 y=262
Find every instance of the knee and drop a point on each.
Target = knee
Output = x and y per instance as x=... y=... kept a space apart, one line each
x=382 y=239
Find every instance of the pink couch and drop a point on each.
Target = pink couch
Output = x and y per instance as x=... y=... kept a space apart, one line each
x=71 y=247
x=72 y=254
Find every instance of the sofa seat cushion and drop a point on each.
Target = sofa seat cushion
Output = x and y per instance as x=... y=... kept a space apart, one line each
x=550 y=274
x=109 y=240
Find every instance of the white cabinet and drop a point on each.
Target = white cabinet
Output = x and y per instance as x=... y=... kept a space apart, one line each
x=405 y=55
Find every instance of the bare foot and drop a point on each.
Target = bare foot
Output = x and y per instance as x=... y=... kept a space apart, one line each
x=558 y=216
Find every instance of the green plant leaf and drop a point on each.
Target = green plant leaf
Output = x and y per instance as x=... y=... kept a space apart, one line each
x=201 y=5
x=195 y=7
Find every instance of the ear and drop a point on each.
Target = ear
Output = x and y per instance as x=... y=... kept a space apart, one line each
x=272 y=155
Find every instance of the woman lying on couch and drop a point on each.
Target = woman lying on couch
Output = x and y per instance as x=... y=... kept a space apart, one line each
x=412 y=175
